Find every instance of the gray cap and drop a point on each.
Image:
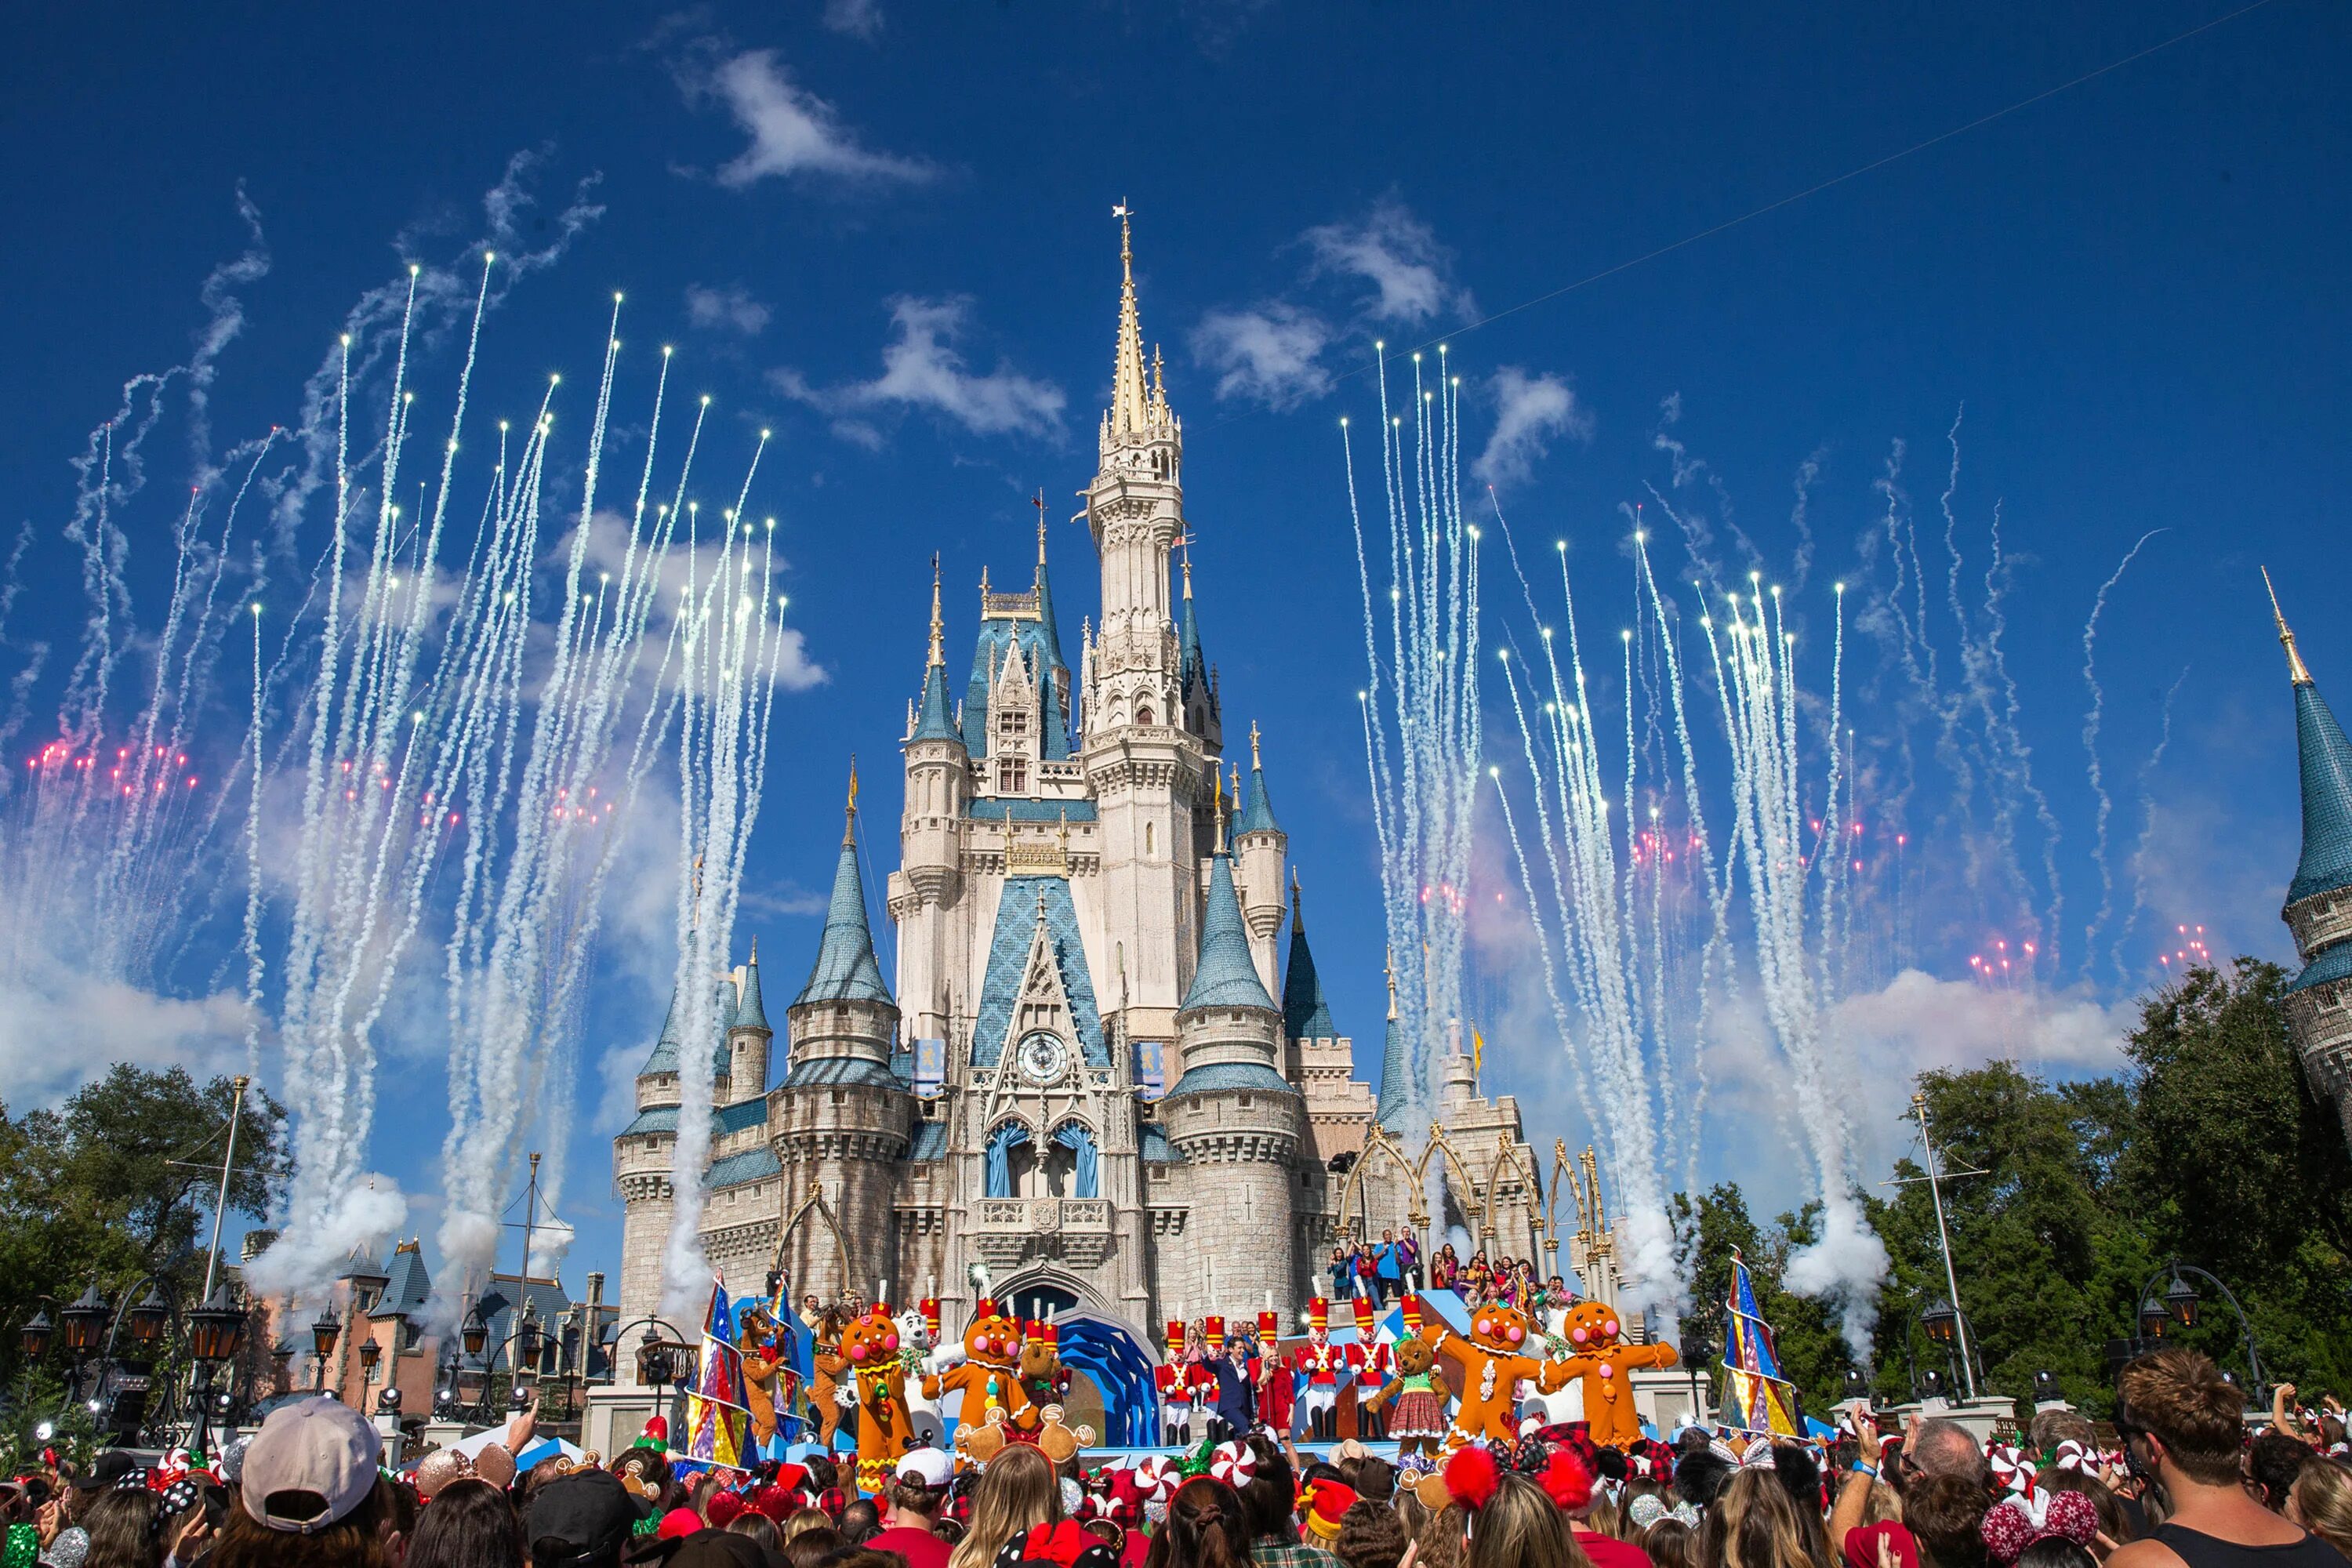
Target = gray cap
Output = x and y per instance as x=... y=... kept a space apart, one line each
x=322 y=1448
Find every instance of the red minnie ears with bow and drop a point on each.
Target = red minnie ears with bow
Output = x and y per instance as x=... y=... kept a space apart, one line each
x=1473 y=1477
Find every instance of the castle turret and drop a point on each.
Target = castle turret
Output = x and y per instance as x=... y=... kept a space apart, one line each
x=1396 y=1086
x=1232 y=1114
x=749 y=1038
x=2319 y=901
x=939 y=782
x=843 y=1117
x=1260 y=844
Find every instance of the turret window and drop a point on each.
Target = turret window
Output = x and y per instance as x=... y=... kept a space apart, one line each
x=1013 y=725
x=1011 y=776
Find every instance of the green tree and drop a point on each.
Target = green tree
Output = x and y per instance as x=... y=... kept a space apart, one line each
x=1812 y=1352
x=2040 y=1256
x=119 y=1182
x=2236 y=1167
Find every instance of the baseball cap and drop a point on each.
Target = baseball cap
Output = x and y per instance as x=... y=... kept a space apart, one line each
x=928 y=1466
x=589 y=1512
x=309 y=1466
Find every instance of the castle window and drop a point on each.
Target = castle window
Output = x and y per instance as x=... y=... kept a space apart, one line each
x=1013 y=724
x=1011 y=776
x=1147 y=837
x=1143 y=715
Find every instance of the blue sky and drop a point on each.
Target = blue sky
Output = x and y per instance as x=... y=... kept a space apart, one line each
x=883 y=230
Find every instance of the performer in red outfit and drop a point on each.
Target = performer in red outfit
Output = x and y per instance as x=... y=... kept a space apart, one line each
x=1174 y=1381
x=1276 y=1386
x=1369 y=1359
x=1323 y=1365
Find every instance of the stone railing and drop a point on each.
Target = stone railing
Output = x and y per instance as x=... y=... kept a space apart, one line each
x=1011 y=1231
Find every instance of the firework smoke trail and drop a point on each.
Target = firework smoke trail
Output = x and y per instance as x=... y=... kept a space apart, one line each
x=2092 y=717
x=1422 y=746
x=2147 y=825
x=1753 y=664
x=1595 y=915
x=726 y=651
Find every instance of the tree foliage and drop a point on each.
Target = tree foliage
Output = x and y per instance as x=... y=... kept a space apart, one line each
x=2063 y=1198
x=120 y=1182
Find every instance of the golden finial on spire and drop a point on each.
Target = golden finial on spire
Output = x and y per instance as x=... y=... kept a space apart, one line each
x=1129 y=399
x=1389 y=968
x=938 y=626
x=1038 y=500
x=1255 y=763
x=849 y=828
x=755 y=953
x=1237 y=782
x=1297 y=915
x=1184 y=555
x=1218 y=781
x=2295 y=671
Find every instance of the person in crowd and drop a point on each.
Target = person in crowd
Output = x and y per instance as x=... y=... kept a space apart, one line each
x=1017 y=1489
x=1237 y=1403
x=861 y=1521
x=1671 y=1543
x=1518 y=1527
x=470 y=1524
x=1385 y=1269
x=2321 y=1501
x=1944 y=1514
x=758 y=1527
x=2272 y=1461
x=1941 y=1448
x=2117 y=1523
x=1753 y=1524
x=1444 y=1267
x=123 y=1532
x=1370 y=1536
x=581 y=1520
x=310 y=1494
x=1267 y=1501
x=813 y=1548
x=2182 y=1425
x=1408 y=1255
x=1701 y=1476
x=915 y=1494
x=1206 y=1527
x=804 y=1521
x=1343 y=1274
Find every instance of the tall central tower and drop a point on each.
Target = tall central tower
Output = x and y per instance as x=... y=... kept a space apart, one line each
x=1146 y=766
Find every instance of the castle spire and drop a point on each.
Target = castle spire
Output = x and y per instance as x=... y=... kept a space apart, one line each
x=845 y=969
x=1395 y=1096
x=1129 y=407
x=2295 y=672
x=939 y=623
x=849 y=813
x=1306 y=1012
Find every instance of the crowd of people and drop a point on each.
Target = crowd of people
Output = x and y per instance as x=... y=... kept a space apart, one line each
x=2183 y=1488
x=1382 y=1270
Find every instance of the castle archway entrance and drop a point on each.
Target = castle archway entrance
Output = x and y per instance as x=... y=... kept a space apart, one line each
x=1112 y=1387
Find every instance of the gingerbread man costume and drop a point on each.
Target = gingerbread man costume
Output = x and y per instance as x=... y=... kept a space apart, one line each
x=1601 y=1360
x=886 y=1431
x=985 y=1375
x=1494 y=1363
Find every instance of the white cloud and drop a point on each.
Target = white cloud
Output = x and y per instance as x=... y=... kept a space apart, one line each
x=858 y=18
x=607 y=552
x=1530 y=411
x=1271 y=354
x=792 y=131
x=1399 y=255
x=732 y=307
x=921 y=368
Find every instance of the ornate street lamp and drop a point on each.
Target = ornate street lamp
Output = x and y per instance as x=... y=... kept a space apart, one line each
x=652 y=1359
x=85 y=1321
x=2181 y=1301
x=527 y=1337
x=324 y=1331
x=216 y=1328
x=1940 y=1321
x=148 y=1319
x=476 y=1331
x=2154 y=1316
x=371 y=1352
x=32 y=1339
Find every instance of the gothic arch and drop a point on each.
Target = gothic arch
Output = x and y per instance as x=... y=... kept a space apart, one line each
x=823 y=1211
x=1376 y=1142
x=1507 y=1156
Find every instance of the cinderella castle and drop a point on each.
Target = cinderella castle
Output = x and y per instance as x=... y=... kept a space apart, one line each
x=1079 y=1086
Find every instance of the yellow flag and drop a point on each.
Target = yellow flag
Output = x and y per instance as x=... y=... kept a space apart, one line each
x=1477 y=1051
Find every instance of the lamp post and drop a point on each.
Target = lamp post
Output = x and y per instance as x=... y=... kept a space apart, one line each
x=84 y=1324
x=1944 y=1240
x=1694 y=1350
x=325 y=1330
x=215 y=1333
x=2181 y=1304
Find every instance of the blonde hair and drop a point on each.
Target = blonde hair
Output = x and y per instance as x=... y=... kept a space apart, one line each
x=1521 y=1527
x=1754 y=1524
x=2321 y=1501
x=1882 y=1506
x=1017 y=1489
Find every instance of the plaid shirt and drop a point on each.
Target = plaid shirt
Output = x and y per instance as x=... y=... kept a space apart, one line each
x=1288 y=1552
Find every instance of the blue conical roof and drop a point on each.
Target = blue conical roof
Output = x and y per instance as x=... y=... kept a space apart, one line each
x=1258 y=806
x=1396 y=1087
x=1226 y=978
x=2326 y=759
x=665 y=1055
x=934 y=721
x=752 y=1014
x=845 y=969
x=1306 y=1012
x=1049 y=634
